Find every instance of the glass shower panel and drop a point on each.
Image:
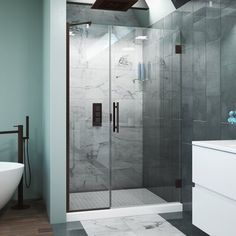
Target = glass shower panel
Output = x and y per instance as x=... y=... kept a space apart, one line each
x=146 y=97
x=127 y=148
x=89 y=157
x=168 y=183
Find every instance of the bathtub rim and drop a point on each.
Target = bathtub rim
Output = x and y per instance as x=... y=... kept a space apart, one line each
x=10 y=166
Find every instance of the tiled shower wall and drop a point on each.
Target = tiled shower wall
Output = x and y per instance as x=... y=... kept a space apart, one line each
x=89 y=83
x=207 y=73
x=84 y=13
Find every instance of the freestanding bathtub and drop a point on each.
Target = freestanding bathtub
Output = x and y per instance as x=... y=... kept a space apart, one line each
x=10 y=176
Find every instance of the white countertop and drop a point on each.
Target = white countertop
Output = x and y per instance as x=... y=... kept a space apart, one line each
x=221 y=145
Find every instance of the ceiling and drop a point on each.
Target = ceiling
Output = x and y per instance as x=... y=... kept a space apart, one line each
x=141 y=4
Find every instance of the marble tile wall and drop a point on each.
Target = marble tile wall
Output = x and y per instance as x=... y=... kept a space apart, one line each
x=89 y=83
x=127 y=145
x=83 y=13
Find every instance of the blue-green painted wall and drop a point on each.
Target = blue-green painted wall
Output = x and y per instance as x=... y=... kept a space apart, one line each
x=54 y=109
x=21 y=81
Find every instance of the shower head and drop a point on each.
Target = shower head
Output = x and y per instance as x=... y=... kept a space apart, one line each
x=114 y=5
x=179 y=3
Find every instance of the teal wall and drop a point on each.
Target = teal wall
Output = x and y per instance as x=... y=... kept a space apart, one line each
x=54 y=109
x=21 y=81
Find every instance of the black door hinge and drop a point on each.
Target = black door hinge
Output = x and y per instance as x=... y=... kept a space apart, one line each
x=178 y=183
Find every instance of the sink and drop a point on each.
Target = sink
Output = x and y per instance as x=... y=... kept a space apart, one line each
x=221 y=145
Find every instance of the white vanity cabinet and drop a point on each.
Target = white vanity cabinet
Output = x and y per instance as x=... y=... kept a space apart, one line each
x=214 y=193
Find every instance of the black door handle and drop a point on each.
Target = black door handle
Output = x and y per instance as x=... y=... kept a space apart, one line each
x=116 y=117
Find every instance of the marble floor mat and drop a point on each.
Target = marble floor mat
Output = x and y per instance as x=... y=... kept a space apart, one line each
x=120 y=198
x=145 y=225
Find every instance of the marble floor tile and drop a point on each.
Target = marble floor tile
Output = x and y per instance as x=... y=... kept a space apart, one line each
x=168 y=224
x=121 y=233
x=143 y=222
x=146 y=225
x=155 y=232
x=113 y=226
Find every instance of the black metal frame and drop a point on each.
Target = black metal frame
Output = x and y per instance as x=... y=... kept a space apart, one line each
x=68 y=125
x=67 y=117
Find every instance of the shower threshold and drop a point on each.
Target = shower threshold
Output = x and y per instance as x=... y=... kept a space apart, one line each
x=127 y=202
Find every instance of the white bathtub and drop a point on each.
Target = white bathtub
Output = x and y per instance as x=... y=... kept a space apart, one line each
x=10 y=176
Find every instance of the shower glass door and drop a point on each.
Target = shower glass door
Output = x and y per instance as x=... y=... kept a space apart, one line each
x=146 y=99
x=127 y=134
x=124 y=117
x=89 y=122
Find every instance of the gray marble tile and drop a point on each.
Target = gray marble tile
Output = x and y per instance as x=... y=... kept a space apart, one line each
x=227 y=90
x=83 y=13
x=135 y=225
x=227 y=43
x=151 y=225
x=115 y=226
x=213 y=84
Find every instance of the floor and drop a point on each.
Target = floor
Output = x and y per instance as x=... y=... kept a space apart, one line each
x=34 y=222
x=29 y=222
x=120 y=198
x=183 y=221
x=171 y=224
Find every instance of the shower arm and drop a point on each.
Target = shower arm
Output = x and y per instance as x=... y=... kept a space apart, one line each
x=9 y=132
x=17 y=131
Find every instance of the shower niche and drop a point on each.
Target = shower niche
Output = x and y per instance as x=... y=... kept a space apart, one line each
x=123 y=117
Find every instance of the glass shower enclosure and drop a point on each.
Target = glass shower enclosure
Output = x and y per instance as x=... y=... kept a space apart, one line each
x=124 y=119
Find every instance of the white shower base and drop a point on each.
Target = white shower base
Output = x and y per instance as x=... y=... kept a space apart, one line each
x=127 y=202
x=120 y=198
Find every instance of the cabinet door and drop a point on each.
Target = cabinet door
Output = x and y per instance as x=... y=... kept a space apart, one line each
x=213 y=213
x=215 y=170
